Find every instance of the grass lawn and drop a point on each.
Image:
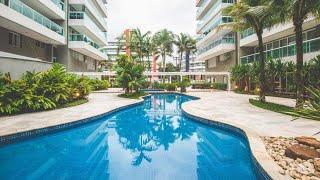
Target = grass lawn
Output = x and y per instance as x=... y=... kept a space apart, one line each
x=284 y=110
x=135 y=95
x=273 y=107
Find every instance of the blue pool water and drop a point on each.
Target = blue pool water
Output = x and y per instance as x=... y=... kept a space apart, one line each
x=149 y=141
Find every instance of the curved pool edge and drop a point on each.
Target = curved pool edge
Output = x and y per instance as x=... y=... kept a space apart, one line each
x=256 y=145
x=265 y=165
x=14 y=137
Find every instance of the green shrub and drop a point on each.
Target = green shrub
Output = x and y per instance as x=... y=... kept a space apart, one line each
x=97 y=84
x=42 y=91
x=171 y=86
x=220 y=86
x=183 y=84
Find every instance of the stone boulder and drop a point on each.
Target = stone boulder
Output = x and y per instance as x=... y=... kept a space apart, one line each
x=309 y=141
x=302 y=152
x=317 y=164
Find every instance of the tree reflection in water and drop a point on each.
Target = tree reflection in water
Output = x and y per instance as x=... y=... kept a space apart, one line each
x=158 y=123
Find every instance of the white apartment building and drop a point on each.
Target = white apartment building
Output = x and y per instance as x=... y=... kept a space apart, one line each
x=36 y=33
x=216 y=41
x=221 y=48
x=194 y=65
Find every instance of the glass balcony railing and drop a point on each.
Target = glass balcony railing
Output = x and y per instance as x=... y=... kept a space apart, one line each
x=219 y=21
x=224 y=40
x=309 y=46
x=83 y=15
x=32 y=14
x=81 y=37
x=246 y=33
x=59 y=3
x=218 y=2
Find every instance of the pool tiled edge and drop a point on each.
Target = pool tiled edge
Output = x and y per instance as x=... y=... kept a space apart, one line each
x=264 y=165
x=11 y=138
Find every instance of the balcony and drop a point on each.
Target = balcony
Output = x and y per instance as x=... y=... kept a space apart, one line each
x=214 y=24
x=53 y=9
x=210 y=6
x=84 y=45
x=29 y=22
x=249 y=38
x=82 y=23
x=97 y=11
x=285 y=52
x=216 y=48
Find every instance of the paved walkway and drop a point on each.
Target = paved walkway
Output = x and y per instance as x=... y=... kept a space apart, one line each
x=99 y=103
x=231 y=107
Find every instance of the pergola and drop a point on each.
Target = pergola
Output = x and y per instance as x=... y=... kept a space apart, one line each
x=152 y=75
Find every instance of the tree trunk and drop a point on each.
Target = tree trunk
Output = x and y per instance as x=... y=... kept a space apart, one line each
x=164 y=62
x=180 y=63
x=299 y=49
x=262 y=76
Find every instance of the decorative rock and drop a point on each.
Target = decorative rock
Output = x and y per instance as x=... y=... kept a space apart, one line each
x=309 y=141
x=297 y=151
x=317 y=164
x=297 y=168
x=281 y=171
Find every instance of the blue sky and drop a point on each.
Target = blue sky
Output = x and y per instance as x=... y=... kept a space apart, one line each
x=153 y=15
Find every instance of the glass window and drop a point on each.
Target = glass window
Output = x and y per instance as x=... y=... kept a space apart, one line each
x=15 y=39
x=283 y=42
x=276 y=44
x=284 y=52
x=269 y=46
x=315 y=45
x=292 y=50
x=291 y=40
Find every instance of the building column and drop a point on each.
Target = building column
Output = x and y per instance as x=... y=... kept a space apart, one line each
x=170 y=79
x=229 y=82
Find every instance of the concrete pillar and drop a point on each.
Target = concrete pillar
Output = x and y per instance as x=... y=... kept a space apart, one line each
x=170 y=79
x=229 y=82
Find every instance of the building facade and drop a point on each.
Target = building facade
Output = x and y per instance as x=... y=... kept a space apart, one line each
x=36 y=33
x=221 y=48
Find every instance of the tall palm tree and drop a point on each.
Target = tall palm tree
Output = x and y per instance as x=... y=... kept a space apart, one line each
x=147 y=49
x=138 y=41
x=181 y=41
x=297 y=11
x=190 y=49
x=164 y=42
x=254 y=14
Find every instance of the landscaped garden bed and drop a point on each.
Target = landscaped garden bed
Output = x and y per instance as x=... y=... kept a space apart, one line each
x=297 y=157
x=40 y=91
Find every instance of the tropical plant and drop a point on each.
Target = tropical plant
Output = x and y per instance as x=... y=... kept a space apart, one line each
x=129 y=74
x=138 y=41
x=164 y=42
x=297 y=11
x=97 y=84
x=181 y=41
x=184 y=84
x=312 y=109
x=254 y=14
x=37 y=91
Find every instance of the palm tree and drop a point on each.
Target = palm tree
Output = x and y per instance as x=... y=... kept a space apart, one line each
x=148 y=49
x=254 y=14
x=137 y=42
x=297 y=11
x=191 y=48
x=164 y=41
x=181 y=41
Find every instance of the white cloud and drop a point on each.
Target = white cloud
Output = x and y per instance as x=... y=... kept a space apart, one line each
x=175 y=15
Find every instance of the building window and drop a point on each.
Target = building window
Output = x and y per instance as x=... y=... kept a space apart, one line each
x=15 y=39
x=40 y=44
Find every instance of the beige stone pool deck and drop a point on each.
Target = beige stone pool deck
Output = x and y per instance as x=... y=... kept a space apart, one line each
x=221 y=106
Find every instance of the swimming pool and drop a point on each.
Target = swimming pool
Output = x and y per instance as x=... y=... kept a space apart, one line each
x=148 y=141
